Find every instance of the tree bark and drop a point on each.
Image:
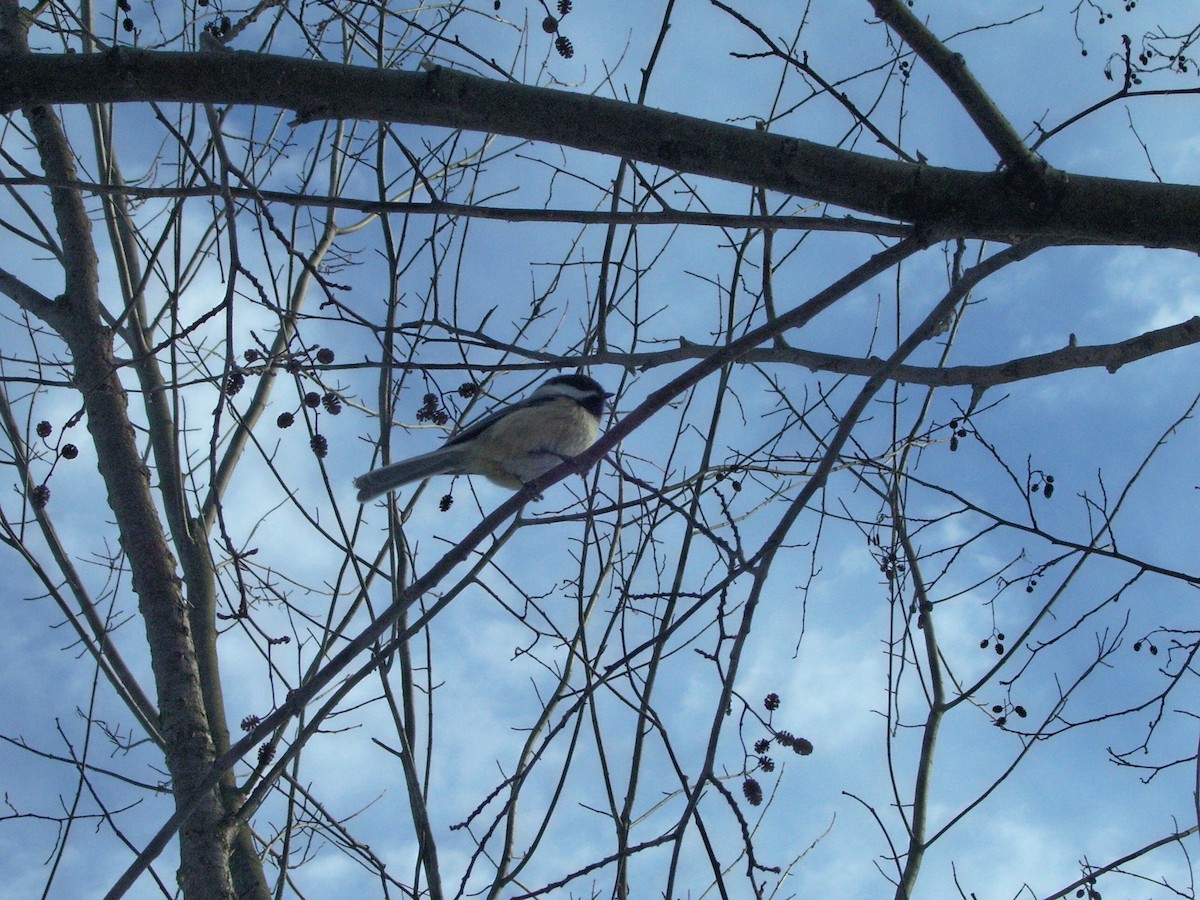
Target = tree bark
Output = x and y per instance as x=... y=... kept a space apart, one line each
x=76 y=316
x=941 y=202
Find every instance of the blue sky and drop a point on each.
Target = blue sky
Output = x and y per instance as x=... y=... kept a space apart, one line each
x=820 y=631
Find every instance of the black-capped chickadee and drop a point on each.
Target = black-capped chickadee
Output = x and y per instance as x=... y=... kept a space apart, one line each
x=510 y=446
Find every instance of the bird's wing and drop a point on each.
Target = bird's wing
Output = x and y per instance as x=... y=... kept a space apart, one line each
x=479 y=426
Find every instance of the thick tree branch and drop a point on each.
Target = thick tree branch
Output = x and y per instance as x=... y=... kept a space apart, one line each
x=952 y=69
x=943 y=202
x=28 y=298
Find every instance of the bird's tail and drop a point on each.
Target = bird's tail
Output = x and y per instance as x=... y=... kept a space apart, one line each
x=443 y=461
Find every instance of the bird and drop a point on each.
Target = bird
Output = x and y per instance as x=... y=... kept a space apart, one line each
x=509 y=446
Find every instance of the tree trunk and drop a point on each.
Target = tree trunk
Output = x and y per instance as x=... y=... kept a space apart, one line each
x=76 y=315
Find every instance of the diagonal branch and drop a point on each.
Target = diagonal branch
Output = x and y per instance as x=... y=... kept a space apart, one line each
x=300 y=697
x=952 y=69
x=28 y=298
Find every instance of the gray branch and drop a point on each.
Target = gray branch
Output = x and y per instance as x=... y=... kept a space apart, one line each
x=1056 y=206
